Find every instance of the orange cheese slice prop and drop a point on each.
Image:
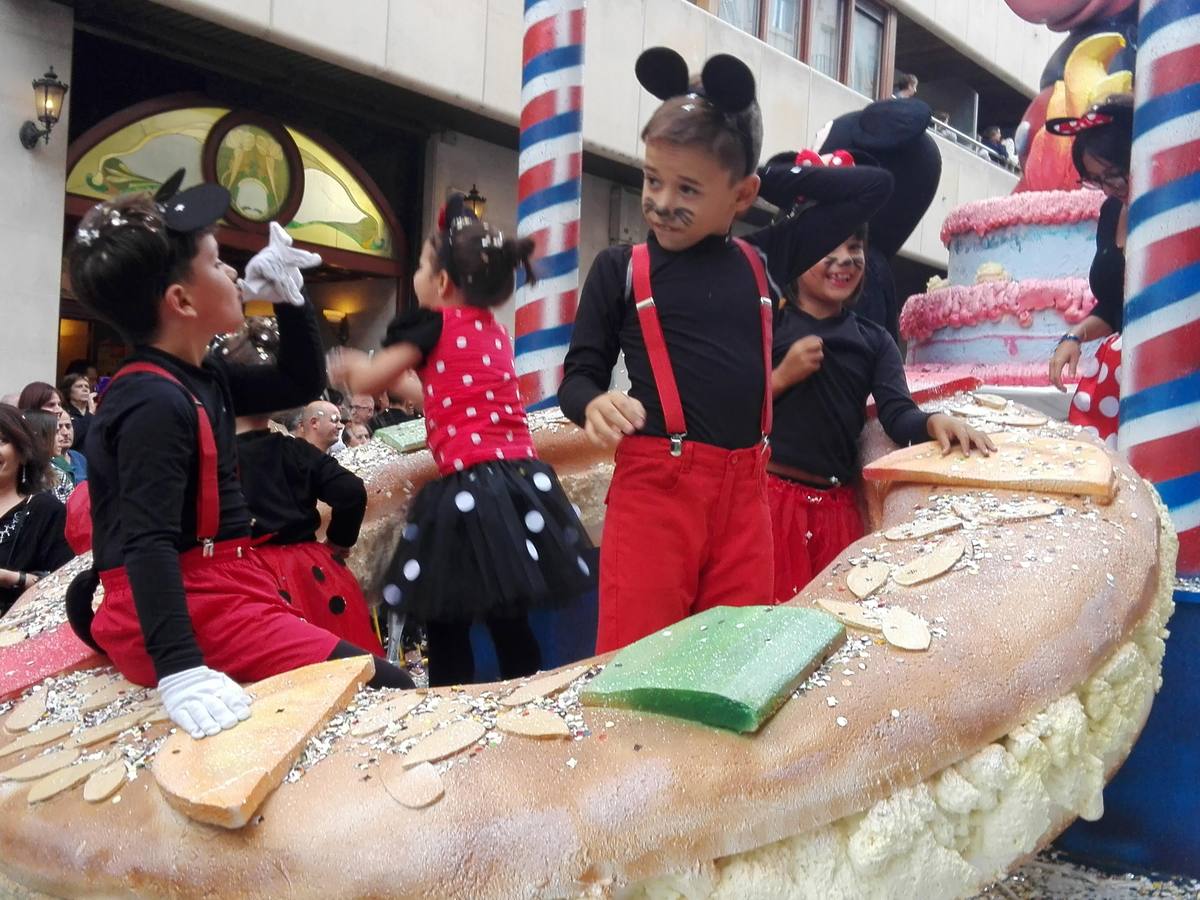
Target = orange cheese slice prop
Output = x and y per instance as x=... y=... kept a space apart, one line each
x=1053 y=465
x=223 y=779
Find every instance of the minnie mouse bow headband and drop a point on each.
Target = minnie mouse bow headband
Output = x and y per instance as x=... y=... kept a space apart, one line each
x=183 y=212
x=1101 y=114
x=726 y=88
x=781 y=175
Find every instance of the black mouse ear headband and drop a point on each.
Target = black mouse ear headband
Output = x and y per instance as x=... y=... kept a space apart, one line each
x=184 y=212
x=726 y=86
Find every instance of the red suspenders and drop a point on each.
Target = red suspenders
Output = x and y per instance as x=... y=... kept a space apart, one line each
x=208 y=501
x=656 y=345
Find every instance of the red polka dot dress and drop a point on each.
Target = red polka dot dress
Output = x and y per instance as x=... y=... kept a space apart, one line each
x=495 y=534
x=1097 y=399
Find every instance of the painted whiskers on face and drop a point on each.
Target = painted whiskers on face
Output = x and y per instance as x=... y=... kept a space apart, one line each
x=685 y=217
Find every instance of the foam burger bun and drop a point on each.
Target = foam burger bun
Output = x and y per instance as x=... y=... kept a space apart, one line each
x=1003 y=732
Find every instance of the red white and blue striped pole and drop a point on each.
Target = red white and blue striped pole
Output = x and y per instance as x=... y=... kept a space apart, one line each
x=548 y=193
x=1160 y=352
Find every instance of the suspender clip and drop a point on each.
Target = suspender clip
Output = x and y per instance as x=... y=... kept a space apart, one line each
x=677 y=444
x=208 y=548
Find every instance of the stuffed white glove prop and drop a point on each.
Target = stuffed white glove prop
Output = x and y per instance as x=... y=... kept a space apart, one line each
x=202 y=701
x=273 y=274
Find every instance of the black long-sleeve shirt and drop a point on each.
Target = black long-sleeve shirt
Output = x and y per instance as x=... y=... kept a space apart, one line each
x=143 y=455
x=284 y=477
x=1107 y=275
x=31 y=540
x=818 y=421
x=708 y=305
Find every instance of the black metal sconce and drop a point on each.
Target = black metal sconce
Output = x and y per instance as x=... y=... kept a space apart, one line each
x=48 y=93
x=475 y=202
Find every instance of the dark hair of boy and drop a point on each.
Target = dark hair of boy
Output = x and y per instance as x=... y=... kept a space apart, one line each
x=20 y=435
x=1112 y=143
x=691 y=121
x=481 y=261
x=122 y=273
x=860 y=233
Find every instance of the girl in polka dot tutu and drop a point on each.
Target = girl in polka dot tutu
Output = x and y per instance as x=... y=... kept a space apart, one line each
x=494 y=536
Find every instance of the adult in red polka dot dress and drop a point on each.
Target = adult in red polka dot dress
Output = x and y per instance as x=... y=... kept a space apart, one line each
x=495 y=536
x=1100 y=149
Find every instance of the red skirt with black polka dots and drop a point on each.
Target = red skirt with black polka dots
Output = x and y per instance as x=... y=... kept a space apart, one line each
x=322 y=590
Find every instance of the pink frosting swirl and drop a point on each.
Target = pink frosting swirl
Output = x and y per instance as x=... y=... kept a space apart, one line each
x=1025 y=208
x=961 y=306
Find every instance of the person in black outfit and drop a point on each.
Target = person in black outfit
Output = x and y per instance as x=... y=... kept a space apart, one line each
x=188 y=605
x=31 y=519
x=893 y=135
x=660 y=560
x=283 y=478
x=1101 y=152
x=828 y=361
x=79 y=402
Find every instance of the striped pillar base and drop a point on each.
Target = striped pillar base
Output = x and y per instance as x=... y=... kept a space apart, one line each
x=1160 y=378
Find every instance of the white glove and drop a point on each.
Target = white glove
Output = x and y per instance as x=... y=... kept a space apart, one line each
x=273 y=273
x=202 y=701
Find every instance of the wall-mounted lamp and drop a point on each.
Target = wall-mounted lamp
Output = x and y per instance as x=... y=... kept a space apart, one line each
x=341 y=322
x=475 y=202
x=48 y=93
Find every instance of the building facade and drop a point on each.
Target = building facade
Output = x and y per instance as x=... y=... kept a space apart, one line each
x=411 y=98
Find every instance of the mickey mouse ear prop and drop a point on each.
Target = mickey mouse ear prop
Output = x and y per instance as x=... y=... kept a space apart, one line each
x=193 y=209
x=886 y=124
x=169 y=188
x=662 y=72
x=728 y=83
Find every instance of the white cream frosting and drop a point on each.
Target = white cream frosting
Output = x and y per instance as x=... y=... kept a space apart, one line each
x=970 y=823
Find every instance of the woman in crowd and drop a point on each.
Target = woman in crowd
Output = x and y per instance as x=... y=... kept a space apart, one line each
x=79 y=402
x=70 y=463
x=1103 y=140
x=31 y=519
x=39 y=395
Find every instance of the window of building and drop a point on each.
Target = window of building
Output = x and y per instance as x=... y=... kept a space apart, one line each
x=741 y=14
x=867 y=55
x=783 y=25
x=825 y=44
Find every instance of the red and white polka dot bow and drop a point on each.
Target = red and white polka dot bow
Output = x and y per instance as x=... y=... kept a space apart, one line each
x=836 y=159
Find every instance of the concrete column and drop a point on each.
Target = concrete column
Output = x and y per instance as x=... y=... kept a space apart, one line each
x=34 y=34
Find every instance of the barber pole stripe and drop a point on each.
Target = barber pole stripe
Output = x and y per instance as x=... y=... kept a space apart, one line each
x=1160 y=353
x=548 y=192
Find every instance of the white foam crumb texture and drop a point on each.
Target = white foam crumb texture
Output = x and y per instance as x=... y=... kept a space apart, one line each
x=988 y=425
x=441 y=710
x=961 y=829
x=137 y=745
x=41 y=608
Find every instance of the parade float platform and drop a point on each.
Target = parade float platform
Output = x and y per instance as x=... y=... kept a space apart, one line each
x=886 y=772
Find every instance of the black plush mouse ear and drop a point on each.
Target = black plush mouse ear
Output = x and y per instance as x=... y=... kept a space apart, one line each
x=728 y=83
x=662 y=72
x=169 y=188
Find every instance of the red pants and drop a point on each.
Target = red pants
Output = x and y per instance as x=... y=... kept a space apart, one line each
x=243 y=627
x=322 y=590
x=682 y=534
x=810 y=527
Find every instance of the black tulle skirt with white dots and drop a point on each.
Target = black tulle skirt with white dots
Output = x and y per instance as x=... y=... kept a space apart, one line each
x=496 y=539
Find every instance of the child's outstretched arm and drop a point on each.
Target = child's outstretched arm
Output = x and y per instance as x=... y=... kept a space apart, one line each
x=584 y=394
x=837 y=200
x=354 y=372
x=903 y=420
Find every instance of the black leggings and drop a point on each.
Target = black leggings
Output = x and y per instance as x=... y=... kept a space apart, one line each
x=386 y=674
x=452 y=662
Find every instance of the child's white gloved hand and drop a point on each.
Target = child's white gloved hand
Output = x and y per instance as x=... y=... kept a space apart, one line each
x=202 y=701
x=273 y=274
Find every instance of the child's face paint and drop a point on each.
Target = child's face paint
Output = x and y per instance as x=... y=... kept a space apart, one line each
x=687 y=195
x=213 y=290
x=836 y=278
